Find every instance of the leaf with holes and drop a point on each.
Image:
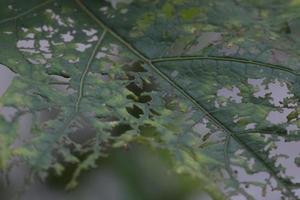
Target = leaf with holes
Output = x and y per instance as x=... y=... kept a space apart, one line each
x=216 y=84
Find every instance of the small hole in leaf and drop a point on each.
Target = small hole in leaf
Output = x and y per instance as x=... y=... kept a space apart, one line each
x=120 y=129
x=135 y=111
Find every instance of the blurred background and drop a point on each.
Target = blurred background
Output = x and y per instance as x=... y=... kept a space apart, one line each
x=136 y=173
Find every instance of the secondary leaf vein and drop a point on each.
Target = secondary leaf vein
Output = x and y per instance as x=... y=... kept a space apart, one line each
x=86 y=70
x=25 y=12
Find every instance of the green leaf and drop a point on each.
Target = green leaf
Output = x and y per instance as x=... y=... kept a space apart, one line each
x=195 y=78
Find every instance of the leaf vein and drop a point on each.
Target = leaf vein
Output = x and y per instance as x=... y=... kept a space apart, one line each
x=86 y=70
x=229 y=59
x=25 y=12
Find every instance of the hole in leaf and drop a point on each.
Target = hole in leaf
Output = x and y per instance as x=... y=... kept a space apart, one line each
x=135 y=111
